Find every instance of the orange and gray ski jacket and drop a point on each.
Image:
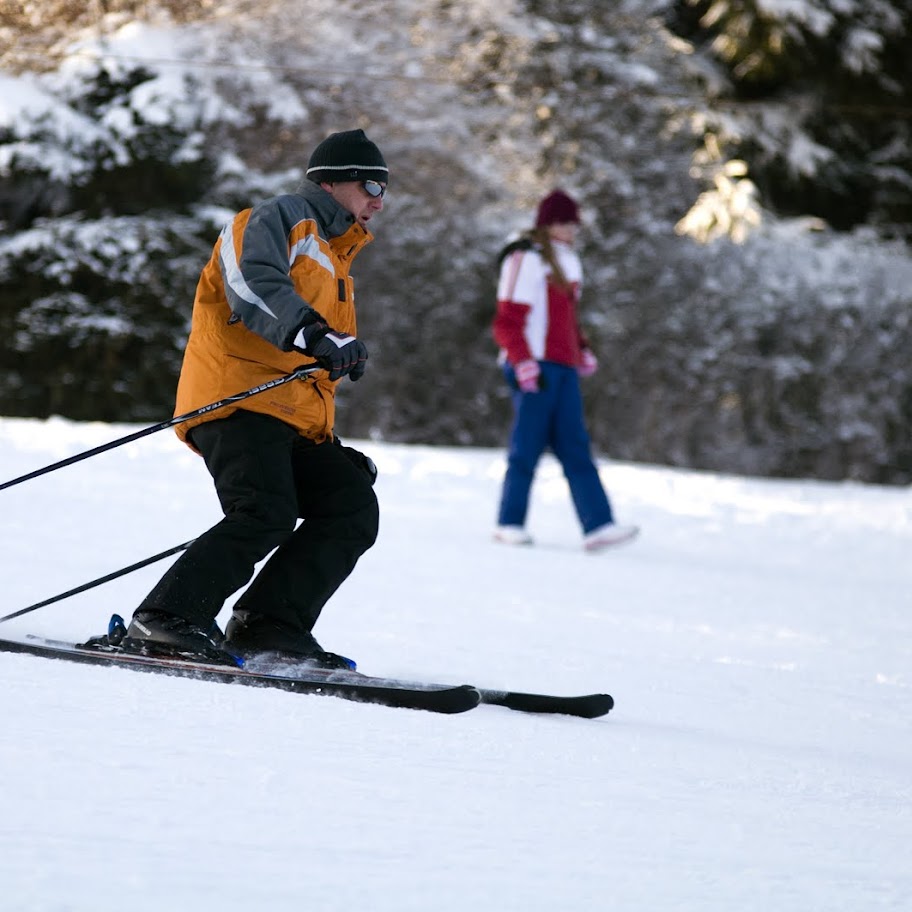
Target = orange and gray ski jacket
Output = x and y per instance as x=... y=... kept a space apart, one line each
x=276 y=268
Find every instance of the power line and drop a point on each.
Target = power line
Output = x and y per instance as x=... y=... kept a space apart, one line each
x=695 y=100
x=233 y=65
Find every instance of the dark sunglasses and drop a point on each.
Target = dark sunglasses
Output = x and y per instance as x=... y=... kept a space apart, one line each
x=374 y=189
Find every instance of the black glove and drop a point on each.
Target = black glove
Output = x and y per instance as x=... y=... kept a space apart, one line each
x=337 y=352
x=364 y=463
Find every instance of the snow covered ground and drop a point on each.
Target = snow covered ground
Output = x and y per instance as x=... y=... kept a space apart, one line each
x=756 y=640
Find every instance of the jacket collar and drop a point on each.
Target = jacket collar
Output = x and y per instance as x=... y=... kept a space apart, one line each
x=334 y=219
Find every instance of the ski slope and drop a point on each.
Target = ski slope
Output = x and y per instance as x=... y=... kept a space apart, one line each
x=756 y=639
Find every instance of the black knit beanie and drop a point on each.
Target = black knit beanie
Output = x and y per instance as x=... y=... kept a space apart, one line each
x=347 y=156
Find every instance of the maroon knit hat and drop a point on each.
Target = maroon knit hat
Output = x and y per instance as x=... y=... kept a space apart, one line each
x=557 y=208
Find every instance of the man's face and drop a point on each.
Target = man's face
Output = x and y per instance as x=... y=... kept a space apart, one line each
x=352 y=196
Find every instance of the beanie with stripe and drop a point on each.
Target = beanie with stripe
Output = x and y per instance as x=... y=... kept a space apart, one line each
x=347 y=156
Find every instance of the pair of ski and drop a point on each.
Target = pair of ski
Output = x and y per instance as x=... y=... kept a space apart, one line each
x=348 y=685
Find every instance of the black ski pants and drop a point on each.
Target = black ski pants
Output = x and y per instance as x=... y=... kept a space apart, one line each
x=268 y=476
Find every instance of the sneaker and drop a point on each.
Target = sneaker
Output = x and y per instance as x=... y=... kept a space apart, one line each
x=265 y=640
x=153 y=632
x=608 y=535
x=512 y=535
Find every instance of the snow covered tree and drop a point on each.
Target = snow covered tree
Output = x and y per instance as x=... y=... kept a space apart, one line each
x=101 y=251
x=743 y=169
x=820 y=103
x=111 y=175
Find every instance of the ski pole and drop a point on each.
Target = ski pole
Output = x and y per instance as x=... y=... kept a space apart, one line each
x=298 y=373
x=99 y=581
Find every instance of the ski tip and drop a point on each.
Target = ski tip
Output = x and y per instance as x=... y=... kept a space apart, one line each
x=587 y=706
x=600 y=704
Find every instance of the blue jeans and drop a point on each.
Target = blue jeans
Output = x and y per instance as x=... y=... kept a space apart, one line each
x=552 y=417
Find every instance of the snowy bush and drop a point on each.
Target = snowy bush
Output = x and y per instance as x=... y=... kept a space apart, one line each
x=819 y=93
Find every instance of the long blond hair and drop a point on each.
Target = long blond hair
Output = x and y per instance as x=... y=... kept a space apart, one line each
x=538 y=238
x=542 y=239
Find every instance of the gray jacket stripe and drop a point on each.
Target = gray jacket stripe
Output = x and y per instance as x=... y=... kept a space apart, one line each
x=233 y=275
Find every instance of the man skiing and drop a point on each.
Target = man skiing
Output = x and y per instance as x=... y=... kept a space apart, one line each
x=276 y=291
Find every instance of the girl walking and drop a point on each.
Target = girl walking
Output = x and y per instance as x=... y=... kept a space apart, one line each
x=544 y=353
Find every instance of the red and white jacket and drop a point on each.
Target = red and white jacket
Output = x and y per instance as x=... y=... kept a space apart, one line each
x=536 y=318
